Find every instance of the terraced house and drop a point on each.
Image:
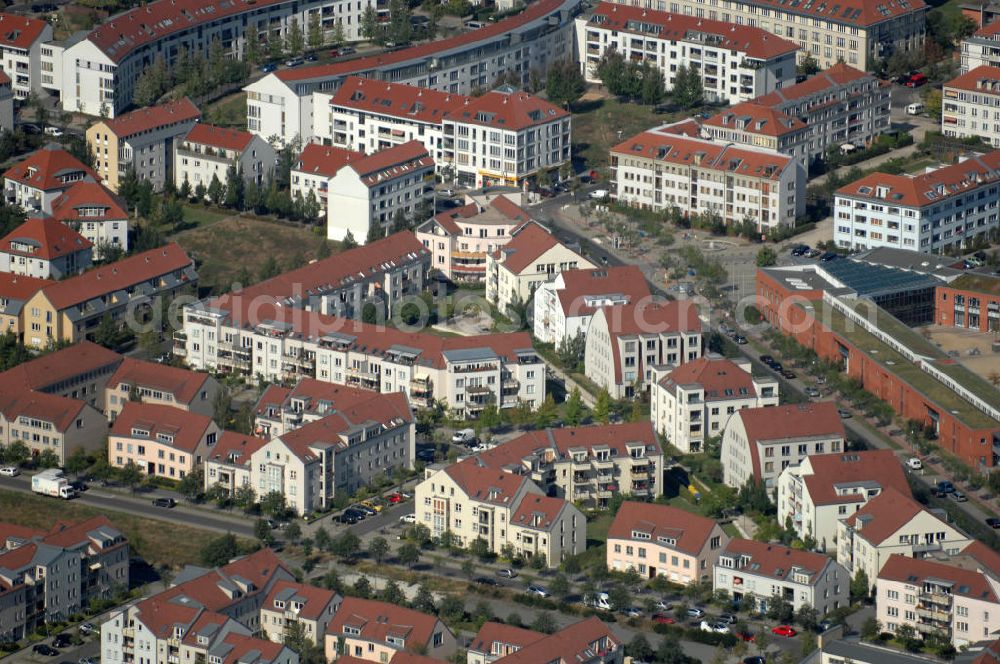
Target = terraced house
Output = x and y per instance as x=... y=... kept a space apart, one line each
x=374 y=631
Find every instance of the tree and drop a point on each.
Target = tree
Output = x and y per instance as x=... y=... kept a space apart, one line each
x=322 y=539
x=906 y=634
x=860 y=586
x=262 y=531
x=619 y=597
x=688 y=91
x=47 y=459
x=559 y=585
x=233 y=198
x=408 y=554
x=546 y=413
x=378 y=548
x=574 y=410
x=602 y=408
x=564 y=82
x=468 y=568
x=654 y=88
x=216 y=192
x=338 y=37
x=808 y=617
x=107 y=333
x=220 y=550
x=131 y=475
x=251 y=46
x=315 y=31
x=244 y=497
x=639 y=649
x=766 y=257
x=275 y=46
x=779 y=609
x=614 y=72
x=369 y=23
x=491 y=417
x=808 y=66
x=452 y=609
x=400 y=27
x=295 y=41
x=932 y=102
x=392 y=593
x=293 y=531
x=79 y=461
x=363 y=587
x=544 y=623
x=346 y=546
x=480 y=548
x=273 y=503
x=871 y=629
x=348 y=242
x=424 y=600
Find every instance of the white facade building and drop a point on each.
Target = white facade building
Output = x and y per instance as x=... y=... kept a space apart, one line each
x=43 y=248
x=736 y=62
x=21 y=42
x=939 y=210
x=96 y=213
x=971 y=105
x=982 y=48
x=36 y=181
x=6 y=103
x=696 y=400
x=208 y=151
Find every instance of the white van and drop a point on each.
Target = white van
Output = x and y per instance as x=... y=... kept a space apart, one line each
x=464 y=436
x=915 y=108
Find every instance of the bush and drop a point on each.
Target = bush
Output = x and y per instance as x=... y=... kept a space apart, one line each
x=710 y=638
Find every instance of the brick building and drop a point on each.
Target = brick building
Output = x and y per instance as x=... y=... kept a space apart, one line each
x=972 y=301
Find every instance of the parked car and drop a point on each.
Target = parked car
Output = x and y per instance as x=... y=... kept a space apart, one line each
x=361 y=507
x=756 y=659
x=506 y=573
x=90 y=660
x=311 y=57
x=268 y=68
x=347 y=50
x=786 y=631
x=45 y=650
x=10 y=471
x=373 y=504
x=633 y=612
x=827 y=257
x=425 y=455
x=695 y=612
x=728 y=618
x=538 y=590
x=62 y=641
x=486 y=581
x=447 y=193
x=776 y=366
x=168 y=503
x=767 y=359
x=663 y=619
x=79 y=486
x=800 y=250
x=464 y=436
x=54 y=131
x=394 y=498
x=993 y=522
x=790 y=375
x=294 y=62
x=739 y=339
x=662 y=605
x=408 y=518
x=748 y=637
x=812 y=392
x=599 y=194
x=958 y=496
x=87 y=628
x=916 y=80
x=717 y=627
x=844 y=414
x=914 y=463
x=944 y=486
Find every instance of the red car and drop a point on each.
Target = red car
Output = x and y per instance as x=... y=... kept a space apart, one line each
x=916 y=80
x=746 y=636
x=394 y=498
x=784 y=630
x=663 y=619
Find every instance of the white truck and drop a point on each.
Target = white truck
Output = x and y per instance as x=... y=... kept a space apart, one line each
x=52 y=483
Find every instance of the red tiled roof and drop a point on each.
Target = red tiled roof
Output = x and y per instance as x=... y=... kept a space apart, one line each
x=60 y=411
x=509 y=110
x=987 y=558
x=241 y=646
x=395 y=99
x=991 y=653
x=836 y=76
x=219 y=137
x=757 y=119
x=89 y=195
x=14 y=531
x=319 y=396
x=914 y=571
x=377 y=620
x=559 y=442
x=754 y=42
x=325 y=160
x=117 y=276
x=624 y=280
x=849 y=12
x=526 y=244
x=580 y=642
x=719 y=377
x=50 y=238
x=507 y=635
x=988 y=30
x=537 y=511
x=983 y=79
x=20 y=288
x=506 y=208
x=235 y=448
x=927 y=189
x=183 y=384
x=20 y=32
x=509 y=209
x=803 y=421
x=879 y=467
x=883 y=515
x=532 y=12
x=776 y=561
x=671 y=148
x=448 y=217
x=47 y=167
x=647 y=316
x=488 y=485
x=4 y=79
x=65 y=364
x=187 y=428
x=690 y=531
x=391 y=162
x=69 y=535
x=314 y=600
x=18 y=558
x=151 y=117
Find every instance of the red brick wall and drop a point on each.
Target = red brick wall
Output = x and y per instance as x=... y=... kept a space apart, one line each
x=944 y=307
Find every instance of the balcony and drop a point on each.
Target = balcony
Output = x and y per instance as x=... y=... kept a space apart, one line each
x=932 y=613
x=939 y=599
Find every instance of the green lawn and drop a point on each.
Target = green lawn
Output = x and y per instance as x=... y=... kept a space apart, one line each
x=229 y=111
x=199 y=215
x=599 y=125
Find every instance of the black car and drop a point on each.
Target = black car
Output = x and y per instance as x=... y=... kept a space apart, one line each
x=788 y=374
x=42 y=649
x=993 y=522
x=164 y=502
x=776 y=366
x=800 y=250
x=740 y=339
x=827 y=257
x=425 y=455
x=767 y=359
x=62 y=641
x=349 y=517
x=486 y=581
x=79 y=486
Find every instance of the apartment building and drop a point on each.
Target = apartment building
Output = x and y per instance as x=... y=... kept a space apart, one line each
x=281 y=410
x=208 y=152
x=496 y=640
x=751 y=123
x=6 y=103
x=893 y=523
x=43 y=248
x=736 y=62
x=228 y=464
x=971 y=301
x=162 y=384
x=589 y=641
x=375 y=631
x=660 y=540
x=36 y=181
x=660 y=170
x=95 y=213
x=48 y=575
x=461 y=239
x=350 y=447
x=78 y=372
x=162 y=441
x=72 y=309
x=696 y=400
x=50 y=423
x=942 y=209
x=474 y=501
x=825 y=488
x=203 y=615
x=759 y=443
x=21 y=40
x=586 y=465
x=531 y=257
x=143 y=141
x=970 y=104
x=956 y=598
x=854 y=31
x=316 y=166
x=982 y=48
x=296 y=102
x=626 y=342
x=563 y=307
x=297 y=606
x=756 y=573
x=841 y=104
x=98 y=73
x=15 y=291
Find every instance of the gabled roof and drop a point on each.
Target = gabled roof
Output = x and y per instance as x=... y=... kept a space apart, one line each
x=756 y=118
x=821 y=83
x=180 y=429
x=754 y=42
x=884 y=515
x=49 y=168
x=507 y=635
x=719 y=377
x=536 y=511
x=314 y=601
x=790 y=422
x=584 y=288
x=507 y=109
x=318 y=159
x=988 y=655
x=647 y=316
x=183 y=384
x=378 y=620
x=407 y=102
x=61 y=411
x=850 y=12
x=526 y=244
x=88 y=196
x=219 y=137
x=20 y=32
x=775 y=561
x=50 y=239
x=987 y=559
x=393 y=162
x=90 y=533
x=319 y=397
x=488 y=485
x=914 y=571
x=152 y=117
x=118 y=276
x=237 y=648
x=983 y=79
x=851 y=472
x=501 y=211
x=235 y=448
x=688 y=532
x=50 y=369
x=561 y=443
x=580 y=642
x=17 y=288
